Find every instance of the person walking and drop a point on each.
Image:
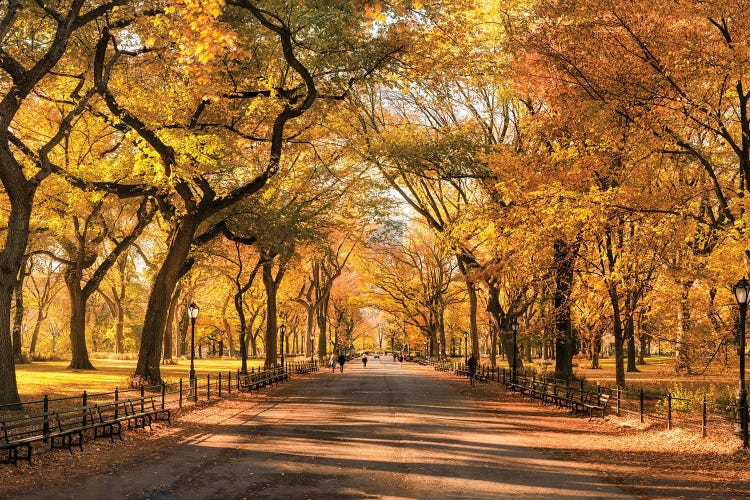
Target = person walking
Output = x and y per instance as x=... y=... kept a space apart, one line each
x=342 y=360
x=333 y=363
x=364 y=361
x=472 y=365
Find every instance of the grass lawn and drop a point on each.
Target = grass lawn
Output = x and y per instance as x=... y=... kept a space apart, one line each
x=55 y=379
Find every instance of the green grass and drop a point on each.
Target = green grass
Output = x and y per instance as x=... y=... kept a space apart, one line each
x=55 y=379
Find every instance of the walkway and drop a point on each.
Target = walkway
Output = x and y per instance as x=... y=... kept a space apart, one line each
x=387 y=431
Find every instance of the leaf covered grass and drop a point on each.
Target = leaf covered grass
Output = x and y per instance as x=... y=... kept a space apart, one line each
x=56 y=379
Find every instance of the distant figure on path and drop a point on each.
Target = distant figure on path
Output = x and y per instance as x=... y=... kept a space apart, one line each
x=333 y=363
x=472 y=364
x=342 y=360
x=400 y=360
x=364 y=361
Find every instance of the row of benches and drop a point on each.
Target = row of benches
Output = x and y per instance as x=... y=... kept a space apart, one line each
x=563 y=396
x=66 y=428
x=255 y=380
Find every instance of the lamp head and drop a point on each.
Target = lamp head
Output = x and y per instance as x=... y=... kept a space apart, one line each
x=514 y=325
x=193 y=310
x=741 y=291
x=283 y=329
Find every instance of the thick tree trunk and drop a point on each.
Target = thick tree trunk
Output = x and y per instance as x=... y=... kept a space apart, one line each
x=80 y=353
x=271 y=290
x=170 y=326
x=147 y=370
x=564 y=260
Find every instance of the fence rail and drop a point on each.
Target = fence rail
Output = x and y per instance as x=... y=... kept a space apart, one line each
x=172 y=395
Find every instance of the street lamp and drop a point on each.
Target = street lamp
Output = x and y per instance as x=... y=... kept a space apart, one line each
x=424 y=351
x=312 y=347
x=741 y=291
x=514 y=327
x=466 y=347
x=282 y=329
x=192 y=313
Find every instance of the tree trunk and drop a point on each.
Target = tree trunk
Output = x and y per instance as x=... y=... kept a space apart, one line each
x=169 y=329
x=19 y=312
x=471 y=290
x=80 y=353
x=147 y=370
x=682 y=355
x=564 y=260
x=630 y=334
x=596 y=347
x=271 y=290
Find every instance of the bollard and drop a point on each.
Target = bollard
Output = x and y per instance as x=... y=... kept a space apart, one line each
x=704 y=420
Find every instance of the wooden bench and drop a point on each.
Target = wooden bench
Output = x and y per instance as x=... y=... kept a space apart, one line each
x=254 y=381
x=19 y=432
x=597 y=403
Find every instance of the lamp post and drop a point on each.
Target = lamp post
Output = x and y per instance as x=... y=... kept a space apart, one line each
x=193 y=314
x=741 y=291
x=439 y=352
x=282 y=329
x=312 y=347
x=424 y=350
x=514 y=327
x=466 y=347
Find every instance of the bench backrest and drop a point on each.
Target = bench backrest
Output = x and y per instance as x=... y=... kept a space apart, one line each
x=83 y=416
x=21 y=427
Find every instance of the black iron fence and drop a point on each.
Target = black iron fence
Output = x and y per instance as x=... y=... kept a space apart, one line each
x=699 y=412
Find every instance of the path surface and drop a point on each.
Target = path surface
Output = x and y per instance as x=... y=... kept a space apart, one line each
x=387 y=431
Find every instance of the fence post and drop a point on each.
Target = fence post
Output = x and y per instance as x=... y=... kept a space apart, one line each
x=704 y=420
x=195 y=390
x=45 y=425
x=641 y=406
x=238 y=379
x=219 y=385
x=143 y=395
x=229 y=381
x=180 y=403
x=84 y=398
x=163 y=393
x=117 y=398
x=669 y=411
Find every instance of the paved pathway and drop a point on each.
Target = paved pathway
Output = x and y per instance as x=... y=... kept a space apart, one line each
x=387 y=431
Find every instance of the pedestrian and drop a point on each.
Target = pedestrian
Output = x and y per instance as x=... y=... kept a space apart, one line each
x=364 y=361
x=333 y=363
x=400 y=360
x=472 y=365
x=342 y=360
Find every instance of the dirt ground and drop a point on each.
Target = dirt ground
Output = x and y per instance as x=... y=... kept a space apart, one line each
x=643 y=460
